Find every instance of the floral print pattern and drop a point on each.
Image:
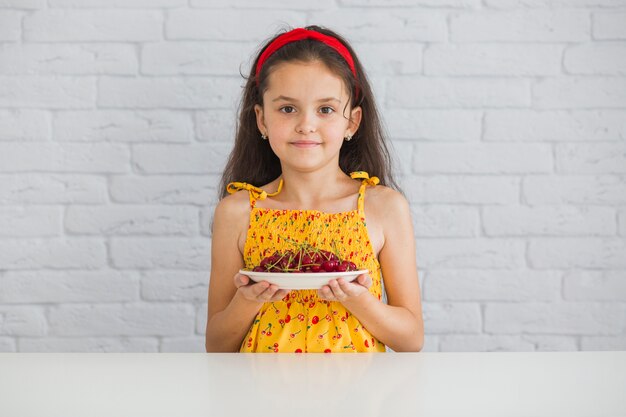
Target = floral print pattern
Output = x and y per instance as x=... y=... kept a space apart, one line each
x=302 y=322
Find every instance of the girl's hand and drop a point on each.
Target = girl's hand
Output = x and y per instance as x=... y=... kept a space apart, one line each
x=261 y=292
x=340 y=290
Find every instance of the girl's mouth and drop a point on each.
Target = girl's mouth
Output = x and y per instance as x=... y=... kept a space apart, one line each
x=305 y=144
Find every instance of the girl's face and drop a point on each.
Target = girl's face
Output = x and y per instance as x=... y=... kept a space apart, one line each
x=303 y=115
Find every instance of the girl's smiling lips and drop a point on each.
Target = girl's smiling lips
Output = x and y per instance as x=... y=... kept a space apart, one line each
x=305 y=144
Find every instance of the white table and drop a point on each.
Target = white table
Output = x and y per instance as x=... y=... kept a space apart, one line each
x=274 y=385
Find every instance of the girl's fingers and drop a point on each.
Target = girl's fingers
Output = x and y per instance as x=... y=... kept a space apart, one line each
x=365 y=280
x=241 y=280
x=337 y=290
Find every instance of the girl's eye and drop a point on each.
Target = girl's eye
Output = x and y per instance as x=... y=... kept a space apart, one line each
x=286 y=107
x=329 y=108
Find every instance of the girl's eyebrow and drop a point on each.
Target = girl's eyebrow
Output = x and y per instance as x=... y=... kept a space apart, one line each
x=284 y=98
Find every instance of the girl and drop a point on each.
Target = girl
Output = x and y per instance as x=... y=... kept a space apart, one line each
x=307 y=120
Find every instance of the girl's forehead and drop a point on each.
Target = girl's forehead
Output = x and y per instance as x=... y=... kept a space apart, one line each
x=293 y=78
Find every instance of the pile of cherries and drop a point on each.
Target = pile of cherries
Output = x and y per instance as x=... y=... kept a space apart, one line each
x=304 y=259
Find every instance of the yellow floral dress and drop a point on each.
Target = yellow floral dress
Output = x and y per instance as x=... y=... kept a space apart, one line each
x=301 y=322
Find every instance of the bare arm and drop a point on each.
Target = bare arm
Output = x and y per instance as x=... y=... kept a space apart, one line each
x=233 y=300
x=399 y=324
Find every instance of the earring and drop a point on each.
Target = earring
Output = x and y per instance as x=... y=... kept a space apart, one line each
x=348 y=137
x=263 y=136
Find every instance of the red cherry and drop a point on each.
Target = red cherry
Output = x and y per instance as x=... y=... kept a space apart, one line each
x=327 y=351
x=315 y=320
x=287 y=318
x=298 y=351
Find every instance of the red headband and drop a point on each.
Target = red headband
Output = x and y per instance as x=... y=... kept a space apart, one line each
x=300 y=34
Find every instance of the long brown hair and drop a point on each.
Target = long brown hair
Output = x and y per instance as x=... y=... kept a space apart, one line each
x=252 y=159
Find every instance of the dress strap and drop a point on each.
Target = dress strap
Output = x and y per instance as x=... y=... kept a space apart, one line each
x=367 y=180
x=256 y=193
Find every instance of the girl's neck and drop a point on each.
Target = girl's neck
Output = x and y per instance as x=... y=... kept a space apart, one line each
x=312 y=189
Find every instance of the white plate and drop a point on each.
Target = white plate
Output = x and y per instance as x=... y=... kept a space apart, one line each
x=301 y=280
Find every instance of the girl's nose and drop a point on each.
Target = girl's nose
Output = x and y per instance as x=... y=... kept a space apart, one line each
x=306 y=124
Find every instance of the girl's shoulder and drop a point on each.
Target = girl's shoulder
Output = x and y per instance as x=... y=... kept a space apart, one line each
x=384 y=202
x=234 y=208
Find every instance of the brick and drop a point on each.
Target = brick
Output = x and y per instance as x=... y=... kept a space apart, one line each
x=584 y=285
x=551 y=318
x=7 y=344
x=405 y=92
x=52 y=189
x=496 y=285
x=555 y=125
x=215 y=126
x=201 y=318
x=52 y=254
x=131 y=220
x=591 y=343
x=134 y=320
x=596 y=58
x=30 y=221
x=10 y=25
x=390 y=58
x=170 y=93
x=590 y=252
x=408 y=3
x=24 y=125
x=460 y=318
x=163 y=253
x=435 y=125
x=175 y=286
x=609 y=25
x=157 y=189
x=185 y=24
x=579 y=93
x=123 y=126
x=475 y=189
x=401 y=152
x=22 y=321
x=186 y=159
x=68 y=287
x=118 y=4
x=269 y=4
x=39 y=157
x=174 y=58
x=89 y=344
x=443 y=221
x=183 y=345
x=470 y=253
x=506 y=4
x=591 y=158
x=484 y=343
x=47 y=92
x=206 y=220
x=547 y=343
x=482 y=159
x=82 y=59
x=497 y=59
x=574 y=189
x=23 y=4
x=622 y=223
x=383 y=25
x=521 y=26
x=548 y=221
x=93 y=26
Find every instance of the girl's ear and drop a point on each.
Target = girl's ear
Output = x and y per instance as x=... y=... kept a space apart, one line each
x=355 y=120
x=259 y=119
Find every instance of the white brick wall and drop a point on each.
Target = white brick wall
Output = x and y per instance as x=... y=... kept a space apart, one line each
x=508 y=119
